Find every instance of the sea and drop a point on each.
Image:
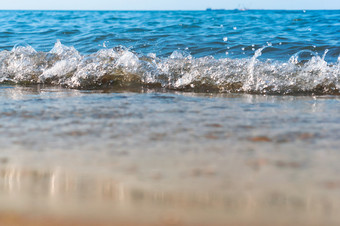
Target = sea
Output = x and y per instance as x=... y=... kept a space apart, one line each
x=217 y=117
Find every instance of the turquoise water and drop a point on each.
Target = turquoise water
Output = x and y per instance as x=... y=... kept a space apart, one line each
x=201 y=33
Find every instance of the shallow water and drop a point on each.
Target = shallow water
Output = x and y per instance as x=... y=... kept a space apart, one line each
x=220 y=158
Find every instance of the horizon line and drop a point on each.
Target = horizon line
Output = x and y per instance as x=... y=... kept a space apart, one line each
x=207 y=9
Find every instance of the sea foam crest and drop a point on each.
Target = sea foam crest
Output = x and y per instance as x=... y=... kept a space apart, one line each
x=119 y=66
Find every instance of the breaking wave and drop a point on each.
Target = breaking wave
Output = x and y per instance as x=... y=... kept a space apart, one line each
x=120 y=67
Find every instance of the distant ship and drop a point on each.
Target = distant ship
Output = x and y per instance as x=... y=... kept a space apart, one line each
x=241 y=8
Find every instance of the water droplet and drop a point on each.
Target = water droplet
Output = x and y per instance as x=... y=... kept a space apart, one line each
x=225 y=39
x=243 y=48
x=235 y=28
x=152 y=55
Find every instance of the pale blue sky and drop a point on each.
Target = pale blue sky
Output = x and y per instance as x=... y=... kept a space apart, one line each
x=168 y=4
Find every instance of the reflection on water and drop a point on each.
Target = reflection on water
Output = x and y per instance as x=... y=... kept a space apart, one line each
x=53 y=187
x=58 y=184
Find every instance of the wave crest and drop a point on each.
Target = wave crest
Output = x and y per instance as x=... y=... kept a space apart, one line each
x=121 y=67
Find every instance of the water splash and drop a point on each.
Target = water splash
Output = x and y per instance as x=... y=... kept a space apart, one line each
x=119 y=66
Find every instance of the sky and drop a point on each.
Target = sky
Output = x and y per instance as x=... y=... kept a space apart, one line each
x=167 y=4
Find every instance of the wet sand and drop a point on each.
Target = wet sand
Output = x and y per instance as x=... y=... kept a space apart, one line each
x=16 y=220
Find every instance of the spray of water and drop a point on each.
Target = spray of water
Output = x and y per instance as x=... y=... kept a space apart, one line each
x=119 y=66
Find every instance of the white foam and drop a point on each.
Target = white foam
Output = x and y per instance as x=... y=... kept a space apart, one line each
x=305 y=72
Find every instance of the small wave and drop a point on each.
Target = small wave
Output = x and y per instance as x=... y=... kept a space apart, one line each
x=121 y=67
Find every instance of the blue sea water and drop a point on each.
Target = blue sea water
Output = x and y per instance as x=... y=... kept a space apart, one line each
x=254 y=51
